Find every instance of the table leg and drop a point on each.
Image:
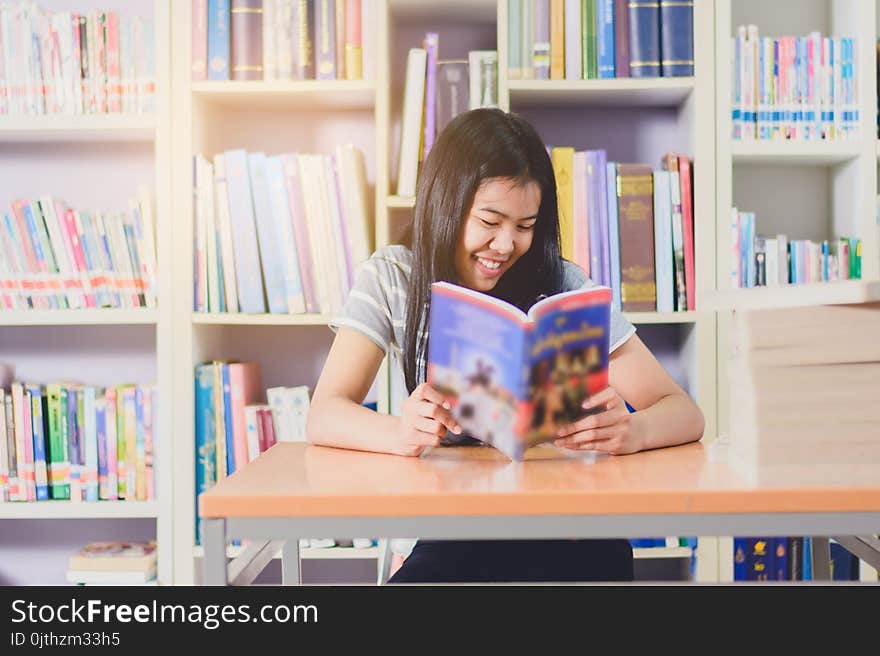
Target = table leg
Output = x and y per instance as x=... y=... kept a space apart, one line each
x=821 y=558
x=214 y=565
x=290 y=563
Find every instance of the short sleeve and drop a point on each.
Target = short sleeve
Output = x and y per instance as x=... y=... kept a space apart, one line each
x=368 y=308
x=573 y=277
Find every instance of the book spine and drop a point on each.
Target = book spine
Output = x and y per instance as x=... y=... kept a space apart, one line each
x=557 y=39
x=219 y=420
x=15 y=483
x=526 y=39
x=541 y=39
x=432 y=45
x=613 y=231
x=635 y=216
x=685 y=173
x=572 y=24
x=621 y=38
x=514 y=37
x=205 y=458
x=295 y=297
x=605 y=41
x=199 y=40
x=252 y=422
x=75 y=431
x=89 y=443
x=739 y=558
x=267 y=236
x=59 y=462
x=246 y=30
x=300 y=230
x=759 y=559
x=112 y=443
x=562 y=158
x=4 y=455
x=241 y=210
x=598 y=190
x=218 y=40
x=325 y=40
x=270 y=51
x=114 y=87
x=663 y=266
x=354 y=55
x=151 y=422
x=140 y=478
x=339 y=37
x=591 y=67
x=129 y=431
x=644 y=38
x=38 y=435
x=268 y=427
x=411 y=121
x=304 y=39
x=228 y=431
x=677 y=39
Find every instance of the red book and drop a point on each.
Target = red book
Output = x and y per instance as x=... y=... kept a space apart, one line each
x=199 y=40
x=687 y=224
x=114 y=86
x=268 y=428
x=245 y=387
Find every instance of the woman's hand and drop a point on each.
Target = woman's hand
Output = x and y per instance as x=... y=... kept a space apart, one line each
x=611 y=429
x=424 y=419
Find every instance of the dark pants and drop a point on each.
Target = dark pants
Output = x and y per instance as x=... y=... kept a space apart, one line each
x=516 y=561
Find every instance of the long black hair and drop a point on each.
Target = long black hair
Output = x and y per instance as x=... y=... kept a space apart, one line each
x=475 y=146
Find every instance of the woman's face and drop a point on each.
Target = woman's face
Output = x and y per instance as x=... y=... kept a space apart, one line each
x=498 y=230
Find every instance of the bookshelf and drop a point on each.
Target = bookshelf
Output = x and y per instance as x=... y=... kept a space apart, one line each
x=806 y=189
x=95 y=161
x=308 y=116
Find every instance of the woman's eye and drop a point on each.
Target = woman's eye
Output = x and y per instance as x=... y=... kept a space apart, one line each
x=488 y=224
x=526 y=228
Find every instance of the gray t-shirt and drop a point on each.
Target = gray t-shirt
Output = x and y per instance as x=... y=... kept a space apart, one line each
x=376 y=305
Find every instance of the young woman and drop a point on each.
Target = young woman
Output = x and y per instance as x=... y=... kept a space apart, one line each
x=485 y=218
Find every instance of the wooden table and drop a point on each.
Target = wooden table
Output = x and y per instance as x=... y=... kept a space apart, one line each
x=296 y=490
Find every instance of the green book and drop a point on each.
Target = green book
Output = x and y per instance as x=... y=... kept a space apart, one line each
x=589 y=45
x=59 y=448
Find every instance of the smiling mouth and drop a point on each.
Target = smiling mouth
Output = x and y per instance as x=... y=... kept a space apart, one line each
x=492 y=265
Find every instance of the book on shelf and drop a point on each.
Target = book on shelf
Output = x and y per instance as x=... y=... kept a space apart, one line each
x=513 y=378
x=277 y=40
x=599 y=39
x=113 y=562
x=793 y=87
x=482 y=78
x=60 y=442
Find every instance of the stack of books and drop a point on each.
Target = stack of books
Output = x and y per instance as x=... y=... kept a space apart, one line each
x=805 y=383
x=114 y=563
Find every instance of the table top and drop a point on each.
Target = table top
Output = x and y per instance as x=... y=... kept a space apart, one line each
x=300 y=480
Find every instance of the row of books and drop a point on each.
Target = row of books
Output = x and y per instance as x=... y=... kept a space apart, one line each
x=70 y=63
x=758 y=260
x=436 y=91
x=77 y=442
x=283 y=39
x=599 y=39
x=236 y=420
x=629 y=226
x=792 y=87
x=787 y=559
x=282 y=233
x=55 y=257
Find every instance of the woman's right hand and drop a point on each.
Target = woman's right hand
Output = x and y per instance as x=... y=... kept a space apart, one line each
x=424 y=419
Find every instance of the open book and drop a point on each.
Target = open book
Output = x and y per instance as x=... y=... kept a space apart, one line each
x=513 y=378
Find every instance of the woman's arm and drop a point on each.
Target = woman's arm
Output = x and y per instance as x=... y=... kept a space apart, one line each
x=665 y=415
x=337 y=418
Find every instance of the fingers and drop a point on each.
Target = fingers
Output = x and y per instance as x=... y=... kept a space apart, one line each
x=605 y=399
x=598 y=439
x=428 y=393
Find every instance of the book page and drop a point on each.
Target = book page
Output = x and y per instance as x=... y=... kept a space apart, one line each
x=476 y=358
x=568 y=358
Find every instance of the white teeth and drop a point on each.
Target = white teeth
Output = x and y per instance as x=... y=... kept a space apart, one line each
x=489 y=264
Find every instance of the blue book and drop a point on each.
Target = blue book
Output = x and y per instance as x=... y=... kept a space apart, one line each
x=759 y=559
x=644 y=38
x=218 y=39
x=325 y=40
x=605 y=37
x=647 y=543
x=677 y=39
x=34 y=396
x=780 y=560
x=844 y=565
x=75 y=437
x=739 y=559
x=613 y=231
x=283 y=221
x=512 y=378
x=206 y=473
x=268 y=235
x=38 y=249
x=248 y=274
x=101 y=431
x=228 y=421
x=602 y=205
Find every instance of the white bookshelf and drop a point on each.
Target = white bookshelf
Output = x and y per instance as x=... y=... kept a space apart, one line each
x=239 y=319
x=807 y=190
x=80 y=510
x=97 y=162
x=629 y=92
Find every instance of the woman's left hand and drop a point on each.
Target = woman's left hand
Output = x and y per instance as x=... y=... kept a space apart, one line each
x=610 y=429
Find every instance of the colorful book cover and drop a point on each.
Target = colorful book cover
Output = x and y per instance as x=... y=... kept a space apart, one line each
x=432 y=46
x=90 y=437
x=245 y=387
x=613 y=231
x=129 y=427
x=219 y=419
x=204 y=439
x=605 y=43
x=283 y=223
x=354 y=56
x=112 y=443
x=75 y=437
x=513 y=378
x=59 y=454
x=14 y=484
x=760 y=556
x=218 y=39
x=140 y=445
x=122 y=455
x=300 y=230
x=101 y=432
x=228 y=421
x=151 y=420
x=241 y=212
x=34 y=394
